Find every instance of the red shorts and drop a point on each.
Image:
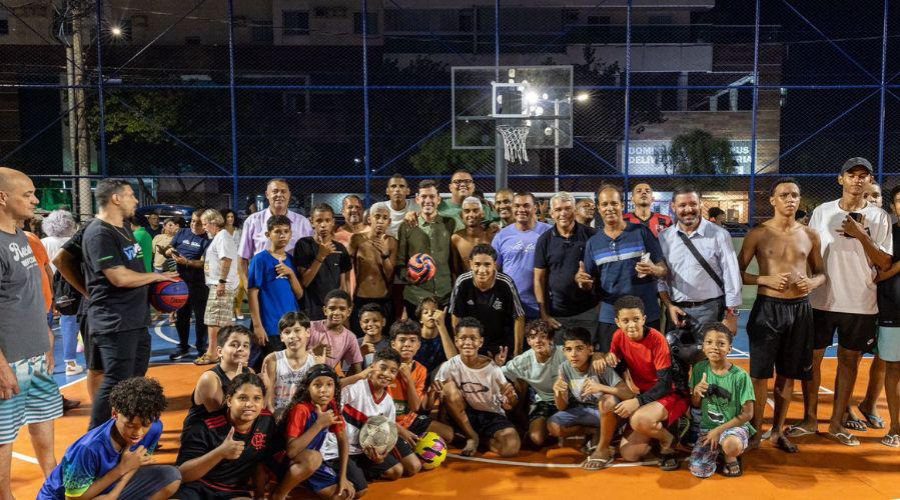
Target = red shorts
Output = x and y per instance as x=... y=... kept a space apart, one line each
x=676 y=405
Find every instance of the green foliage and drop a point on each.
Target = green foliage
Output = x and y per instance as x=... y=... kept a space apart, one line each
x=138 y=117
x=698 y=152
x=437 y=156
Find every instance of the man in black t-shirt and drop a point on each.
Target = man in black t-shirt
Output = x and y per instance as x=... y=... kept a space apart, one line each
x=187 y=249
x=117 y=289
x=324 y=263
x=490 y=297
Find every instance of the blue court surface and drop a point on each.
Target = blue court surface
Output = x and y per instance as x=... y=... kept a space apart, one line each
x=165 y=342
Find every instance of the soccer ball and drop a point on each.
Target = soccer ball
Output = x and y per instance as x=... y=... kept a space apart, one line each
x=431 y=450
x=420 y=268
x=378 y=432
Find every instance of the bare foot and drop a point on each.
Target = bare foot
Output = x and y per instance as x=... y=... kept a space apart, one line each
x=470 y=448
x=754 y=441
x=784 y=444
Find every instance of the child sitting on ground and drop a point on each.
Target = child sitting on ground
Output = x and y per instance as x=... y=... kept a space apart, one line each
x=408 y=391
x=645 y=353
x=234 y=354
x=371 y=323
x=477 y=394
x=537 y=368
x=284 y=370
x=437 y=344
x=586 y=399
x=724 y=394
x=339 y=343
x=114 y=460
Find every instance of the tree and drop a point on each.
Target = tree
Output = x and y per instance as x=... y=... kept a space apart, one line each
x=437 y=156
x=698 y=152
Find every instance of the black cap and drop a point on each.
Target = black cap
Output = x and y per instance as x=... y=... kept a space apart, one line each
x=857 y=162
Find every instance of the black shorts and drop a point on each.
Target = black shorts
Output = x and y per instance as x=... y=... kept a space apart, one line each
x=354 y=473
x=91 y=353
x=487 y=423
x=420 y=425
x=781 y=338
x=603 y=335
x=373 y=471
x=856 y=332
x=197 y=490
x=542 y=409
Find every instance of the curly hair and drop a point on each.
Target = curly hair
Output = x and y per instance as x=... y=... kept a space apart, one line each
x=628 y=302
x=244 y=379
x=538 y=326
x=59 y=224
x=302 y=393
x=138 y=397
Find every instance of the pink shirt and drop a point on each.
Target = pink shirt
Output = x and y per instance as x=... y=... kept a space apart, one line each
x=344 y=346
x=253 y=232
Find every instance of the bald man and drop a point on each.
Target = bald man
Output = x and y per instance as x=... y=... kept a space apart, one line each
x=28 y=393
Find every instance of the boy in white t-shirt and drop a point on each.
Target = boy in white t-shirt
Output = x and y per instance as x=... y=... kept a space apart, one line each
x=477 y=394
x=220 y=270
x=856 y=242
x=397 y=204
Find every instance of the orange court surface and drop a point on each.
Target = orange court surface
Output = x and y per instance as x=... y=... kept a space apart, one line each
x=822 y=469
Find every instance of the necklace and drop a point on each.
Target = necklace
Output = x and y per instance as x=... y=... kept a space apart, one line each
x=124 y=234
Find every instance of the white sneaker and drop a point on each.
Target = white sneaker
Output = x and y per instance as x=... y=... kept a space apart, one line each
x=73 y=368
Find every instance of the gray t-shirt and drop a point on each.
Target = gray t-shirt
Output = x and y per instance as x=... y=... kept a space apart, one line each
x=23 y=329
x=576 y=380
x=540 y=376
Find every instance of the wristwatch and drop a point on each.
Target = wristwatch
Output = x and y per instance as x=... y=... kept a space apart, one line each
x=222 y=282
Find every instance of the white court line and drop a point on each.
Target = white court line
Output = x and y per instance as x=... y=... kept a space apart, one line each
x=546 y=466
x=25 y=458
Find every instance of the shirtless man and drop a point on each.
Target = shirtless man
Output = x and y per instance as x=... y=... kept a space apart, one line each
x=780 y=326
x=503 y=203
x=352 y=210
x=474 y=233
x=373 y=253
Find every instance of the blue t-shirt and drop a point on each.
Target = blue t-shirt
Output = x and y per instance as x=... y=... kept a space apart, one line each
x=275 y=295
x=192 y=247
x=515 y=257
x=89 y=459
x=611 y=263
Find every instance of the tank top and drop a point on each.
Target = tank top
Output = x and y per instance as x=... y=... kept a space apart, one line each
x=198 y=410
x=287 y=380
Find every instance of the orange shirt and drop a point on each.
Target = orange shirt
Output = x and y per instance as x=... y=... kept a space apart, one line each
x=43 y=260
x=397 y=390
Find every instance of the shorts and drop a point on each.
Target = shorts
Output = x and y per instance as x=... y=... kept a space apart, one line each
x=676 y=405
x=582 y=416
x=328 y=477
x=487 y=423
x=219 y=310
x=420 y=425
x=373 y=471
x=889 y=343
x=856 y=332
x=703 y=458
x=38 y=399
x=542 y=409
x=603 y=335
x=150 y=479
x=200 y=490
x=91 y=354
x=781 y=338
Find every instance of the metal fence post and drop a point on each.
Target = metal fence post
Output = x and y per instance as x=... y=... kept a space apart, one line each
x=751 y=192
x=235 y=192
x=625 y=187
x=100 y=93
x=884 y=43
x=365 y=68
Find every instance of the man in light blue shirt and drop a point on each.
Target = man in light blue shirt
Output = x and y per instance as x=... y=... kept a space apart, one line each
x=688 y=289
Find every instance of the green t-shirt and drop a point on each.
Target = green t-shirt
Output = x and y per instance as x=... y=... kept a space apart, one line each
x=145 y=241
x=723 y=403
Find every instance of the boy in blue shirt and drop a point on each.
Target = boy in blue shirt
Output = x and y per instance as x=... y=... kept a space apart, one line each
x=116 y=458
x=273 y=285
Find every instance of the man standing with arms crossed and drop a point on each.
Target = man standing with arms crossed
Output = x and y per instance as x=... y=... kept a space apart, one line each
x=780 y=326
x=856 y=242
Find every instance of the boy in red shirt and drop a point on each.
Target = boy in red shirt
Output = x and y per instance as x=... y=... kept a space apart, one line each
x=644 y=352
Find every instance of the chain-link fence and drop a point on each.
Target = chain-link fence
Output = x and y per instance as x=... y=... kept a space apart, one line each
x=202 y=102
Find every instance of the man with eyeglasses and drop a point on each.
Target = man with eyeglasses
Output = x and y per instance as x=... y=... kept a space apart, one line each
x=462 y=185
x=621 y=259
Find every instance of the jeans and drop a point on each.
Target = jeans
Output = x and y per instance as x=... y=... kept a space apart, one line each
x=68 y=326
x=198 y=293
x=125 y=354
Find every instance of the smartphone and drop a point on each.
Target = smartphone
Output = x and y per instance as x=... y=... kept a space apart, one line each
x=645 y=258
x=857 y=217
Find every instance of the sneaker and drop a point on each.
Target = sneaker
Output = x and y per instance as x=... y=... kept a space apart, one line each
x=73 y=368
x=179 y=355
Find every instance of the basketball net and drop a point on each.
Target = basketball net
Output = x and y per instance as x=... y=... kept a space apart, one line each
x=514 y=142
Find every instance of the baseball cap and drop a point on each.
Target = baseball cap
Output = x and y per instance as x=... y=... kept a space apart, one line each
x=857 y=162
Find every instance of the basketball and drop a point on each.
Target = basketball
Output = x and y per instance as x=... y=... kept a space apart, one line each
x=431 y=450
x=169 y=296
x=378 y=432
x=420 y=268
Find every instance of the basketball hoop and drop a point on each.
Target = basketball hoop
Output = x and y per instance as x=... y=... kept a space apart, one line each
x=514 y=142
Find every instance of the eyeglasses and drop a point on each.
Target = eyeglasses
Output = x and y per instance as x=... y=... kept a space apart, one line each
x=462 y=182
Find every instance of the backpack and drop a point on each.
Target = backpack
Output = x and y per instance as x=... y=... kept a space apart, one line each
x=65 y=297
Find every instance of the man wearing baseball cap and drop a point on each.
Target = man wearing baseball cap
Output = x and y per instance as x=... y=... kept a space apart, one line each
x=856 y=242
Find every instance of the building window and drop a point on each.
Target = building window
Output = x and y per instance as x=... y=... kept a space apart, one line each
x=466 y=21
x=595 y=20
x=371 y=23
x=295 y=22
x=659 y=19
x=4 y=26
x=339 y=12
x=261 y=32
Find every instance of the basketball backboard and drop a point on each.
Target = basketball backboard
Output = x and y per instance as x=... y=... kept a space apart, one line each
x=485 y=97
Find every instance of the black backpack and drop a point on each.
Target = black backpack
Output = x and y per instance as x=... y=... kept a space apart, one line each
x=65 y=297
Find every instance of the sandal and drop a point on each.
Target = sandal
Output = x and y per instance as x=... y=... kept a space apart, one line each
x=892 y=440
x=204 y=359
x=783 y=444
x=844 y=438
x=795 y=431
x=592 y=463
x=733 y=469
x=668 y=461
x=873 y=421
x=854 y=424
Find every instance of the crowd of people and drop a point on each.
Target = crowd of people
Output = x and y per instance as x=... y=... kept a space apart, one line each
x=567 y=322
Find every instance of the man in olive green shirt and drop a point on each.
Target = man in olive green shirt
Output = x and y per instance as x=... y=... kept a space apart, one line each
x=432 y=236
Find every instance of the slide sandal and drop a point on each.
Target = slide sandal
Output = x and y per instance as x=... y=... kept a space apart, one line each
x=844 y=438
x=873 y=421
x=795 y=431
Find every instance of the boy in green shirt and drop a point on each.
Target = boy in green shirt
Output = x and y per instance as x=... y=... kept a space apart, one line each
x=724 y=394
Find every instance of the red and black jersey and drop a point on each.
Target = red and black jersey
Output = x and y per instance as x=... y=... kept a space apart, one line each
x=205 y=434
x=656 y=222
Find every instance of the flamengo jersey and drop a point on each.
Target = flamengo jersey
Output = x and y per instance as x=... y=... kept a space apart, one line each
x=656 y=222
x=358 y=405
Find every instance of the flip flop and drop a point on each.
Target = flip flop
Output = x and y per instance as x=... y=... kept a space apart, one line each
x=592 y=463
x=668 y=461
x=786 y=446
x=845 y=438
x=873 y=421
x=795 y=431
x=855 y=424
x=892 y=440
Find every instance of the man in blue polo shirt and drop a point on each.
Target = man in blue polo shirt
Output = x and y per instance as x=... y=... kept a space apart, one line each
x=187 y=249
x=621 y=259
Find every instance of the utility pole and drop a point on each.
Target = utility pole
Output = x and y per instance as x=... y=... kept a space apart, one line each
x=85 y=205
